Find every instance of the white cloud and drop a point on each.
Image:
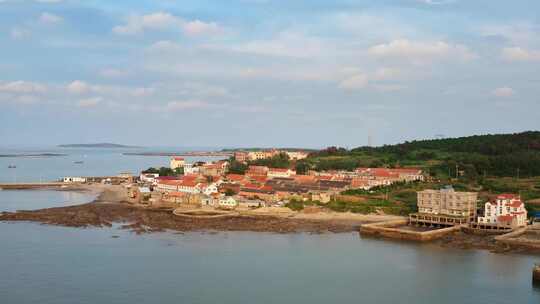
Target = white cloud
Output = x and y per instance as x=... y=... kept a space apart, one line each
x=79 y=87
x=503 y=92
x=140 y=92
x=113 y=73
x=136 y=23
x=520 y=54
x=356 y=82
x=187 y=105
x=418 y=51
x=22 y=87
x=437 y=2
x=165 y=21
x=89 y=102
x=50 y=18
x=285 y=44
x=197 y=27
x=19 y=33
x=385 y=73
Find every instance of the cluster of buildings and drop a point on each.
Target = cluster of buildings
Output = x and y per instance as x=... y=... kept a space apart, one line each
x=211 y=184
x=447 y=207
x=245 y=156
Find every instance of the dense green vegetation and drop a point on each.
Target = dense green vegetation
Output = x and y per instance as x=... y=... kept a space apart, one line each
x=471 y=158
x=236 y=167
x=369 y=206
x=278 y=161
x=164 y=171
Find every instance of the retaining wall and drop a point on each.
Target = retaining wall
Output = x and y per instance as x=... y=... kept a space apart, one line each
x=391 y=229
x=514 y=239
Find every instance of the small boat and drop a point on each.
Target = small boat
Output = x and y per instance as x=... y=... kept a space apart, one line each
x=78 y=162
x=12 y=167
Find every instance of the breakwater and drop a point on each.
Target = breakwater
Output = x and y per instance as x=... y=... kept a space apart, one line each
x=398 y=230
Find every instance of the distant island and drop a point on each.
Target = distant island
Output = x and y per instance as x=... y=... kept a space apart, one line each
x=96 y=145
x=33 y=155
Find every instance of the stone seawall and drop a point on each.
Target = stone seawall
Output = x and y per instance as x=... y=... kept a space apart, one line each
x=520 y=239
x=391 y=230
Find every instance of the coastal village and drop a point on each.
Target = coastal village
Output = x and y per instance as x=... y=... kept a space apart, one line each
x=210 y=188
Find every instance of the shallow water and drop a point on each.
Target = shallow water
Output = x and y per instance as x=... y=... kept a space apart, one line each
x=46 y=264
x=96 y=162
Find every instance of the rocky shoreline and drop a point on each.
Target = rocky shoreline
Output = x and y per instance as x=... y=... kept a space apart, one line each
x=140 y=220
x=110 y=208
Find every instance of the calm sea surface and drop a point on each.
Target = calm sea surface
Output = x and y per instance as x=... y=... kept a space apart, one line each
x=96 y=162
x=54 y=265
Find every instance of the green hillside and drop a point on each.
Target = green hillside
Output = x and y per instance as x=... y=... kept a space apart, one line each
x=472 y=157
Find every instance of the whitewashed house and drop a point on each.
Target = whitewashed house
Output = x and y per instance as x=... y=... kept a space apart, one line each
x=280 y=172
x=74 y=179
x=227 y=202
x=507 y=210
x=150 y=178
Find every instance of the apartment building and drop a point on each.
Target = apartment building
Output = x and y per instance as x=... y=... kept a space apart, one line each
x=445 y=207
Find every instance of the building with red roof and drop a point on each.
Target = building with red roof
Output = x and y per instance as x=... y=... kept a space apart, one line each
x=506 y=210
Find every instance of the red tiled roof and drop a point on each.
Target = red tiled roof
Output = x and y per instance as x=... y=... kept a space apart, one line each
x=284 y=170
x=251 y=186
x=176 y=194
x=258 y=178
x=506 y=196
x=160 y=178
x=505 y=218
x=267 y=188
x=515 y=204
x=178 y=158
x=235 y=177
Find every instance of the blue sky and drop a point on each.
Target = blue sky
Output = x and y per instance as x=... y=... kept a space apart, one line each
x=266 y=73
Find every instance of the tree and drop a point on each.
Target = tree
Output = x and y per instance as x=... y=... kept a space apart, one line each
x=302 y=167
x=229 y=192
x=237 y=167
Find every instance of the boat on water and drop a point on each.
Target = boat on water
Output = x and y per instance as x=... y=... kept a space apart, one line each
x=78 y=162
x=12 y=167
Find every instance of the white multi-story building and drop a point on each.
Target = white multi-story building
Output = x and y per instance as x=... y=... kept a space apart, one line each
x=227 y=202
x=149 y=177
x=447 y=201
x=296 y=155
x=280 y=172
x=74 y=179
x=211 y=188
x=186 y=186
x=177 y=162
x=507 y=210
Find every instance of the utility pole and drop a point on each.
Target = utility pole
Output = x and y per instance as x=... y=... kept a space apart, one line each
x=457 y=171
x=517 y=173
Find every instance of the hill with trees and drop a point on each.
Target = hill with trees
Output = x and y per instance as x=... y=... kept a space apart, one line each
x=472 y=157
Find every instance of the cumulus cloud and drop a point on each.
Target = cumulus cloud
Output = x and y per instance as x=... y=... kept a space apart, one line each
x=113 y=73
x=520 y=54
x=358 y=81
x=19 y=33
x=89 y=102
x=377 y=79
x=79 y=87
x=197 y=27
x=284 y=44
x=385 y=73
x=22 y=87
x=165 y=21
x=187 y=105
x=420 y=51
x=503 y=92
x=49 y=18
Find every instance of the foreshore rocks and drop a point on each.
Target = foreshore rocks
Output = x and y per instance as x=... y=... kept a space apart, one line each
x=140 y=220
